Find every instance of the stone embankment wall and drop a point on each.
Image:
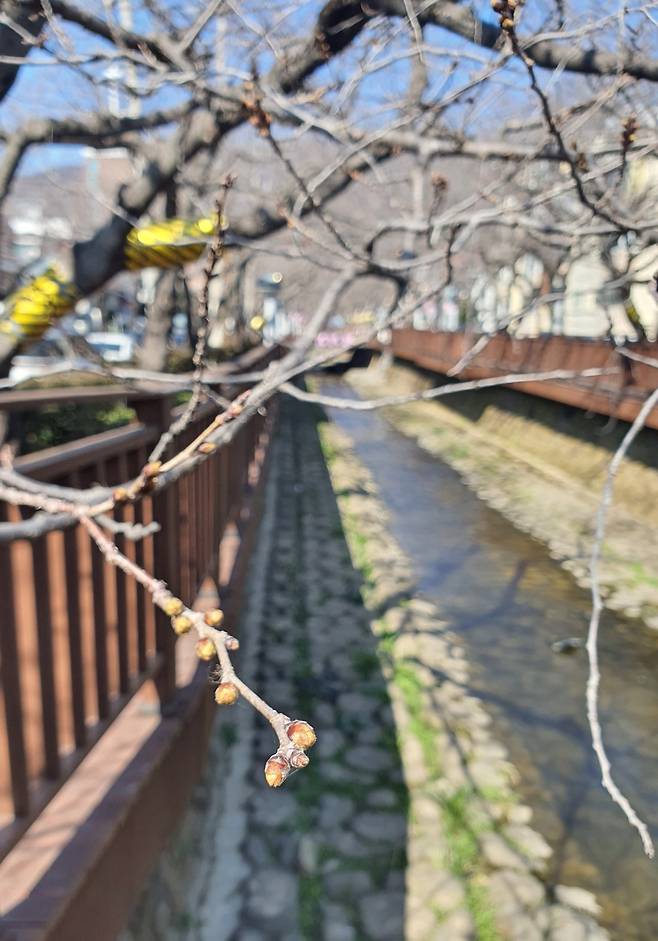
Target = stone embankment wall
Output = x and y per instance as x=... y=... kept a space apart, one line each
x=543 y=466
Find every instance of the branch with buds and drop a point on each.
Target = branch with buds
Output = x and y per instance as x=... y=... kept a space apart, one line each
x=294 y=736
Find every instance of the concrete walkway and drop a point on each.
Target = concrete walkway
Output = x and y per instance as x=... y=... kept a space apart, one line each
x=405 y=826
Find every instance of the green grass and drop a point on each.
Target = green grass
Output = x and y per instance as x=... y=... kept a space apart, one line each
x=640 y=575
x=310 y=896
x=461 y=832
x=457 y=452
x=409 y=684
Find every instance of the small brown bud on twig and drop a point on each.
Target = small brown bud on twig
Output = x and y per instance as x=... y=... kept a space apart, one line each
x=299 y=760
x=205 y=649
x=207 y=447
x=301 y=734
x=277 y=770
x=629 y=132
x=232 y=643
x=181 y=624
x=152 y=469
x=173 y=606
x=120 y=495
x=226 y=694
x=214 y=617
x=507 y=24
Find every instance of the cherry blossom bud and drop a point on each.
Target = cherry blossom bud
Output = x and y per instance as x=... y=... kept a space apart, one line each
x=507 y=23
x=207 y=447
x=173 y=606
x=205 y=649
x=299 y=760
x=152 y=469
x=181 y=624
x=277 y=770
x=214 y=617
x=232 y=643
x=301 y=734
x=120 y=495
x=226 y=694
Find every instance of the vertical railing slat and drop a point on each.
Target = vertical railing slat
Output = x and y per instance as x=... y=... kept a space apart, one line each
x=100 y=632
x=42 y=601
x=11 y=688
x=165 y=511
x=118 y=471
x=142 y=599
x=75 y=638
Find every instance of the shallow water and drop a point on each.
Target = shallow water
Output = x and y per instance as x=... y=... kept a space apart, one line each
x=508 y=600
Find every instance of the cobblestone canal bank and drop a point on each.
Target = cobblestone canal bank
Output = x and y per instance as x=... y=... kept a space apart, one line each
x=405 y=826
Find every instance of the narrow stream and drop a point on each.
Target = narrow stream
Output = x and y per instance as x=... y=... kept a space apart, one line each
x=508 y=600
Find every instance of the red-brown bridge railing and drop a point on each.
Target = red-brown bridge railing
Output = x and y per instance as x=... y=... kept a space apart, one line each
x=619 y=394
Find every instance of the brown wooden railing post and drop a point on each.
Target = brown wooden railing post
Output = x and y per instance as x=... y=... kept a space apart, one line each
x=49 y=705
x=11 y=687
x=157 y=412
x=165 y=546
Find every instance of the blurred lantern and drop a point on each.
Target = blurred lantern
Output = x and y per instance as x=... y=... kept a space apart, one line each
x=30 y=310
x=171 y=243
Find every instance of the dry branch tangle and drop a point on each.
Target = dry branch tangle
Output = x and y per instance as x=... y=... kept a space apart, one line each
x=295 y=96
x=178 y=56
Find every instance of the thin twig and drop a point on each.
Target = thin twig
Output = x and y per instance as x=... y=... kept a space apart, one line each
x=199 y=357
x=594 y=679
x=366 y=405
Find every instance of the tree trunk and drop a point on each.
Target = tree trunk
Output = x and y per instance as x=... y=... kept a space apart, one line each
x=153 y=354
x=228 y=301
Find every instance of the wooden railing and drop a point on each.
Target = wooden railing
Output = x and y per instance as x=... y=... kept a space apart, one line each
x=619 y=394
x=78 y=638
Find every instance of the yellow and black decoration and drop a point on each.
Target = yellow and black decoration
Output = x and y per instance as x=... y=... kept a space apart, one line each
x=31 y=309
x=169 y=244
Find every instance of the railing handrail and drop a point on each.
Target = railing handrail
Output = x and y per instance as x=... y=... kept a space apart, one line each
x=64 y=458
x=24 y=399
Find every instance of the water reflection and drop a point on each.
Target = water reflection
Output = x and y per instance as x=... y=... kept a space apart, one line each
x=509 y=601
